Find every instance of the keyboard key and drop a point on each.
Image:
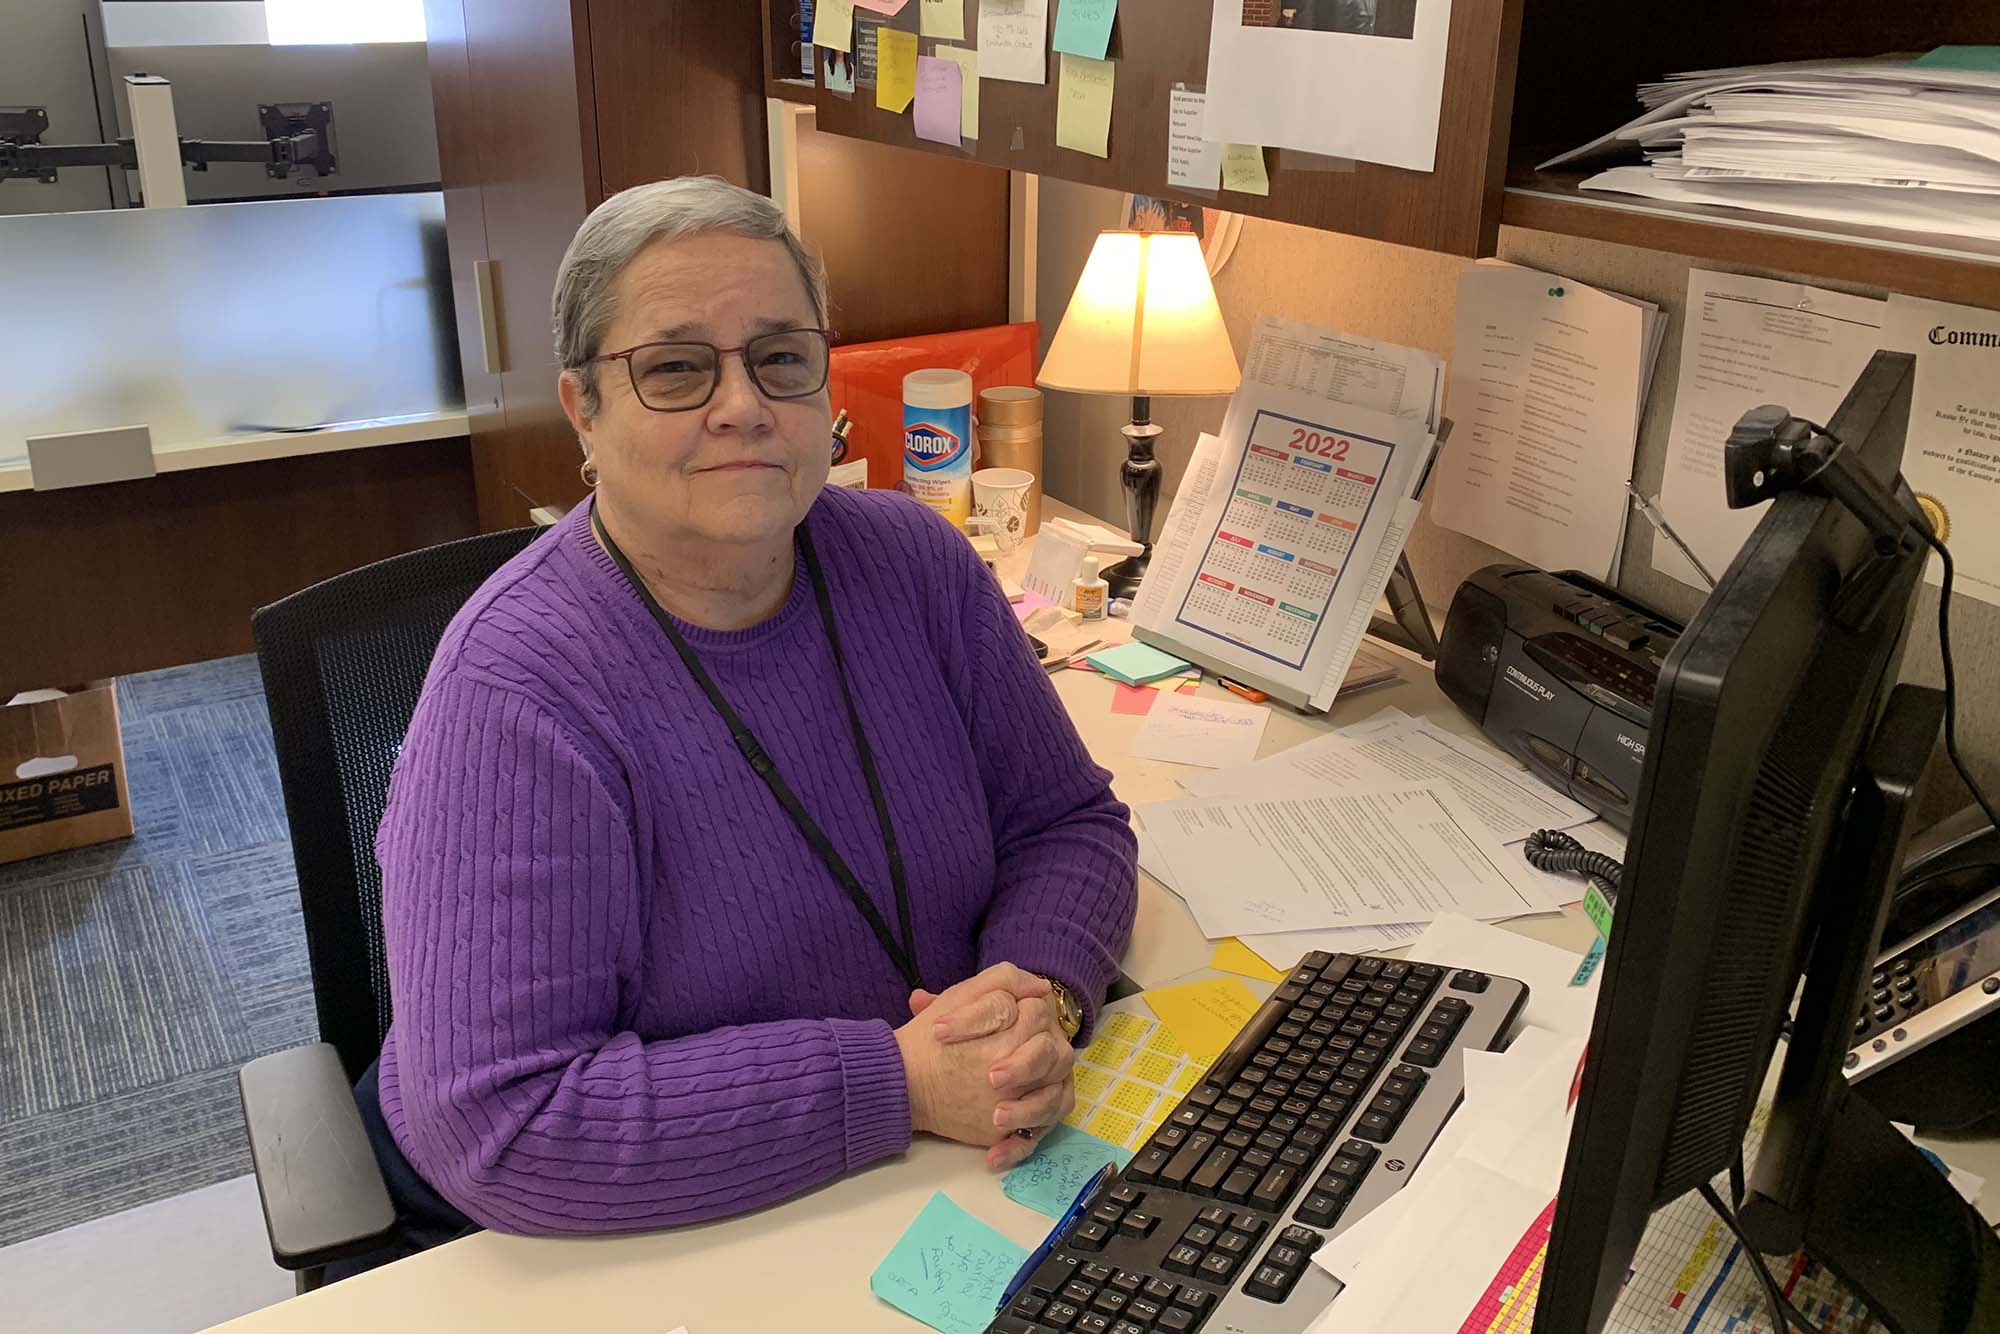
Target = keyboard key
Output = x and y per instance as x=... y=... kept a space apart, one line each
x=1028 y=1306
x=1214 y=1216
x=1334 y=1107
x=1090 y=1236
x=1158 y=1290
x=1453 y=1008
x=1355 y=1149
x=1285 y=1257
x=1146 y=1167
x=1079 y=1292
x=1375 y=1126
x=1090 y=1322
x=1304 y=1238
x=1187 y=1116
x=1214 y=1124
x=1127 y=1327
x=1127 y=1282
x=1295 y=1157
x=1203 y=1234
x=1213 y=1169
x=1238 y=1140
x=1110 y=1301
x=1136 y=1224
x=1256 y=1159
x=1096 y=1273
x=1174 y=1320
x=1250 y=1225
x=1399 y=1086
x=1193 y=1299
x=1233 y=1242
x=1107 y=1214
x=1182 y=1259
x=1124 y=1197
x=1276 y=1187
x=1270 y=1284
x=1467 y=980
x=1395 y=969
x=1216 y=1266
x=1007 y=1324
x=1367 y=966
x=1236 y=1187
x=1184 y=1163
x=1061 y=1314
x=1143 y=1311
x=1422 y=1051
x=1435 y=1031
x=1319 y=1209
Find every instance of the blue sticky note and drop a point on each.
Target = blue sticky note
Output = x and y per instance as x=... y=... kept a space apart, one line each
x=1083 y=27
x=948 y=1269
x=1064 y=1161
x=1136 y=663
x=1985 y=58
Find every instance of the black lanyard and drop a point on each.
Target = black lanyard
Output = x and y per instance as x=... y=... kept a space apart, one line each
x=902 y=953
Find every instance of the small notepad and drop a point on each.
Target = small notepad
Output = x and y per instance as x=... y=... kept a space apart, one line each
x=1135 y=663
x=948 y=1270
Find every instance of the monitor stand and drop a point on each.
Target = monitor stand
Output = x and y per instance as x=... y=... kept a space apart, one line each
x=1832 y=1176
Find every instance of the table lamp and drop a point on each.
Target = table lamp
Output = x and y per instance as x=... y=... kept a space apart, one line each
x=1142 y=322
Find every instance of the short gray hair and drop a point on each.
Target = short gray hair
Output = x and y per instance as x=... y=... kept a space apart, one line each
x=625 y=224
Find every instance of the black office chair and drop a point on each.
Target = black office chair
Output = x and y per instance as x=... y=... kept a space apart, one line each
x=343 y=662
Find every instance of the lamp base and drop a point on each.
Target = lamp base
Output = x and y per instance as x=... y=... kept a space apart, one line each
x=1126 y=576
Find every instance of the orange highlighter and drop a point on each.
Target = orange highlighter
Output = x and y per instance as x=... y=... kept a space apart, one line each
x=1254 y=696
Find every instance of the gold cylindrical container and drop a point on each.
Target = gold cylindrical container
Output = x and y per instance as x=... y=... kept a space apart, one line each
x=1010 y=436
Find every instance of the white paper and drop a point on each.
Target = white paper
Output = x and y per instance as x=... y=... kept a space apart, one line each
x=1343 y=368
x=1747 y=341
x=1265 y=864
x=1214 y=733
x=1547 y=378
x=1284 y=949
x=1381 y=568
x=1177 y=535
x=1552 y=1002
x=1952 y=453
x=1052 y=570
x=1507 y=801
x=1947 y=213
x=1372 y=96
x=1193 y=163
x=1013 y=40
x=1597 y=836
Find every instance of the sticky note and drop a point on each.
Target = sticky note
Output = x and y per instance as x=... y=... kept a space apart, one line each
x=967 y=61
x=1243 y=169
x=1083 y=105
x=1962 y=57
x=943 y=18
x=1132 y=699
x=1013 y=40
x=1203 y=1015
x=937 y=100
x=883 y=6
x=895 y=69
x=1233 y=956
x=1066 y=1159
x=948 y=1269
x=1193 y=163
x=833 y=24
x=1083 y=27
x=1136 y=663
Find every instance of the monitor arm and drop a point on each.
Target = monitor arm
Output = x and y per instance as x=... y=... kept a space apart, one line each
x=300 y=136
x=1771 y=452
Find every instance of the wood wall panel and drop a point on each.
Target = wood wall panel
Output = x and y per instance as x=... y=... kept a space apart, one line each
x=678 y=91
x=126 y=577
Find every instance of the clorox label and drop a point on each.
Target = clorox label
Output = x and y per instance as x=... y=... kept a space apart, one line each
x=928 y=447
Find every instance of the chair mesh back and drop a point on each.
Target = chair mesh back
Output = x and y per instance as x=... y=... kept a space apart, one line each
x=343 y=663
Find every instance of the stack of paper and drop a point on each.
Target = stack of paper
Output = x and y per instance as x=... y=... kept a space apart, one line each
x=1284 y=532
x=1910 y=144
x=1358 y=838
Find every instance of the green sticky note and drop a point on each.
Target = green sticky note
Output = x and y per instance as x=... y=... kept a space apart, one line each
x=1243 y=169
x=1597 y=910
x=1135 y=663
x=1083 y=27
x=943 y=18
x=833 y=25
x=1061 y=1165
x=1986 y=58
x=948 y=1269
x=1083 y=105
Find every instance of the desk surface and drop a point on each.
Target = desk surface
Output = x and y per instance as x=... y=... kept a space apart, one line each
x=805 y=1264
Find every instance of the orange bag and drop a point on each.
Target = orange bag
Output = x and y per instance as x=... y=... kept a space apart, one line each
x=867 y=380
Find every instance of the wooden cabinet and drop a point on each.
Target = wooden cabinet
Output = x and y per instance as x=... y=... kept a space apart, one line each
x=544 y=108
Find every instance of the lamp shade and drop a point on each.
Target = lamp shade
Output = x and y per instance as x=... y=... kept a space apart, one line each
x=1142 y=321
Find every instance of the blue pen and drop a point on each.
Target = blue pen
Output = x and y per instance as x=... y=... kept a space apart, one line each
x=1041 y=1252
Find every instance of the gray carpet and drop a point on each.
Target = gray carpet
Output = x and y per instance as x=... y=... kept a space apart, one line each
x=135 y=977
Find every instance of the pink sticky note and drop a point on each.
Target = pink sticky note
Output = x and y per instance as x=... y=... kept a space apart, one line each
x=1132 y=699
x=882 y=6
x=938 y=100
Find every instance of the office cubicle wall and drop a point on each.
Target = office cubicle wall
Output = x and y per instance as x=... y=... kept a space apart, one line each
x=203 y=323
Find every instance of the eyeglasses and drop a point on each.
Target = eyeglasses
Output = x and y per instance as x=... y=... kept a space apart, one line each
x=680 y=377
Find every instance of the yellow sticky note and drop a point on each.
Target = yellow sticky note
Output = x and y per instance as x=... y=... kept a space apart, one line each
x=1125 y=1027
x=1153 y=1067
x=1129 y=1095
x=1083 y=105
x=1243 y=169
x=833 y=25
x=1090 y=1082
x=1189 y=1076
x=1114 y=1126
x=1204 y=1015
x=895 y=69
x=1233 y=956
x=944 y=18
x=967 y=61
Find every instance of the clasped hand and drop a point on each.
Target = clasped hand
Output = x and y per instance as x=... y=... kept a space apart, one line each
x=986 y=1059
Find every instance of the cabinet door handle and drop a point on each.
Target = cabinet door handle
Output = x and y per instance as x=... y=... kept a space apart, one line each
x=489 y=316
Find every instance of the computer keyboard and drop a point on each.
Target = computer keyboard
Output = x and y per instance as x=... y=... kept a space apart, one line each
x=1317 y=1111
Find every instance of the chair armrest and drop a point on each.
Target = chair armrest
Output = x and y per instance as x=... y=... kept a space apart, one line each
x=322 y=1191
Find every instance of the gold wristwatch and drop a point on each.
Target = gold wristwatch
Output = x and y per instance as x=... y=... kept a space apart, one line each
x=1069 y=1011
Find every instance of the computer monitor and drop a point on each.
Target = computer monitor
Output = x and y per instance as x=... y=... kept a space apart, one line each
x=1781 y=767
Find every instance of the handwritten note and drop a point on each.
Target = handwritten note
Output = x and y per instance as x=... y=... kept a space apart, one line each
x=1083 y=106
x=948 y=1269
x=1233 y=956
x=1193 y=163
x=1204 y=1016
x=938 y=100
x=833 y=25
x=967 y=61
x=1066 y=1158
x=1213 y=733
x=895 y=69
x=944 y=18
x=1243 y=169
x=1013 y=40
x=1083 y=27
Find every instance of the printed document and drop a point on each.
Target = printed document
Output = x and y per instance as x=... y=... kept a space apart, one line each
x=1291 y=863
x=1744 y=342
x=1548 y=378
x=1343 y=368
x=1952 y=454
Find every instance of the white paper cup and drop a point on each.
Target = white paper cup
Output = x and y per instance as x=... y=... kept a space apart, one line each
x=1002 y=495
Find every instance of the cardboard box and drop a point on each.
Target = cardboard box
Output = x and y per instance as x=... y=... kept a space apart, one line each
x=62 y=773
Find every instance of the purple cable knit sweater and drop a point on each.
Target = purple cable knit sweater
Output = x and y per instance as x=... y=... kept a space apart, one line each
x=627 y=994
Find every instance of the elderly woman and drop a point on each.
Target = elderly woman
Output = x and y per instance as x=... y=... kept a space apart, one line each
x=738 y=835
